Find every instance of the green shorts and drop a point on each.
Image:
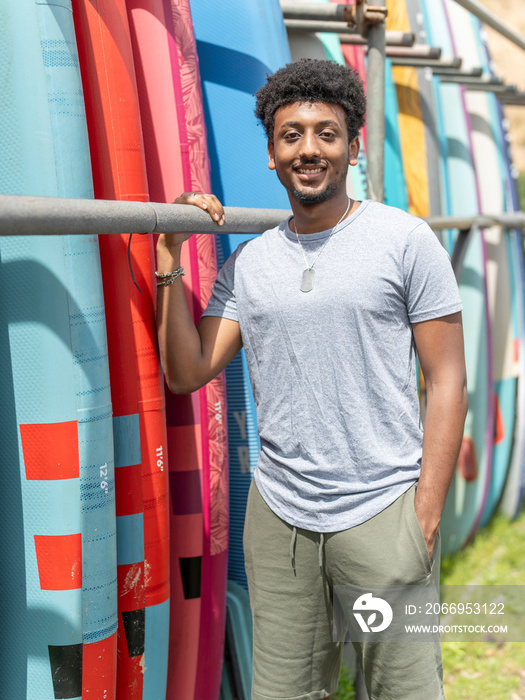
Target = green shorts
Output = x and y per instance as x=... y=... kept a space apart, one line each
x=291 y=573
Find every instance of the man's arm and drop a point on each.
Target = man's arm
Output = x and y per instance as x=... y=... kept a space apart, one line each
x=439 y=344
x=190 y=356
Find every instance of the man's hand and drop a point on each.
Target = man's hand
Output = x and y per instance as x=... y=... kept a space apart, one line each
x=208 y=202
x=428 y=526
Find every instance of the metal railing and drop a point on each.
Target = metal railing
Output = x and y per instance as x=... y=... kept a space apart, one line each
x=23 y=216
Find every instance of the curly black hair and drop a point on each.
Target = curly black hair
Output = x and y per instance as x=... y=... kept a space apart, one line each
x=312 y=80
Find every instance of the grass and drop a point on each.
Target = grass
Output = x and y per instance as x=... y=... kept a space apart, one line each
x=477 y=670
x=521 y=186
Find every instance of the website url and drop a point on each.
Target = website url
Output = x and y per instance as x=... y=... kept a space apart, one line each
x=456 y=629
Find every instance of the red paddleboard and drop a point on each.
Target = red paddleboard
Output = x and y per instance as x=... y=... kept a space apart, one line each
x=212 y=398
x=141 y=474
x=174 y=137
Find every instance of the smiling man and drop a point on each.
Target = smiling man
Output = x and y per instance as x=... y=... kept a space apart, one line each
x=331 y=307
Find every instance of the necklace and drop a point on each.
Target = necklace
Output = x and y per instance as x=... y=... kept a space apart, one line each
x=308 y=278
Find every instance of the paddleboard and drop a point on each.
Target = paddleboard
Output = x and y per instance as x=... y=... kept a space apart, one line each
x=58 y=554
x=487 y=161
x=411 y=126
x=212 y=399
x=513 y=491
x=465 y=499
x=176 y=162
x=117 y=156
x=238 y=43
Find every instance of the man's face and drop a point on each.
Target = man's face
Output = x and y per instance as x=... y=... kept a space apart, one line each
x=311 y=152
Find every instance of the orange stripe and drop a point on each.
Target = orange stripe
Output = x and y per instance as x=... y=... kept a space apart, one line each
x=99 y=669
x=59 y=560
x=50 y=450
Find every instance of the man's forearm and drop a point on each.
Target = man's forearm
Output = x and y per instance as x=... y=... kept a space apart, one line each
x=179 y=341
x=443 y=433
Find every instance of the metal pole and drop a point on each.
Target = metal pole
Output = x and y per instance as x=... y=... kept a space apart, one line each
x=454 y=63
x=512 y=220
x=459 y=78
x=392 y=39
x=307 y=25
x=472 y=73
x=492 y=21
x=376 y=109
x=517 y=99
x=25 y=215
x=416 y=51
x=311 y=11
x=22 y=216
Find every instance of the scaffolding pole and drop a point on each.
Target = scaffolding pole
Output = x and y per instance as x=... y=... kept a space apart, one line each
x=319 y=13
x=22 y=215
x=393 y=38
x=416 y=51
x=414 y=62
x=376 y=112
x=490 y=19
x=308 y=25
x=516 y=99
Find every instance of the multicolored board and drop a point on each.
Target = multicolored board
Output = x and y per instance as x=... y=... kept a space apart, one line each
x=468 y=489
x=58 y=557
x=176 y=161
x=238 y=43
x=117 y=156
x=487 y=161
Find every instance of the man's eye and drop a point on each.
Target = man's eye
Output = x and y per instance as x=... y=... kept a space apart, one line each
x=327 y=134
x=291 y=135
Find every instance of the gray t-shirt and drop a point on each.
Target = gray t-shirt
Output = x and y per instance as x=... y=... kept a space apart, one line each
x=333 y=370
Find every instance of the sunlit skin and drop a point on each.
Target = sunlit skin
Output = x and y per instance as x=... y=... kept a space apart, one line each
x=311 y=153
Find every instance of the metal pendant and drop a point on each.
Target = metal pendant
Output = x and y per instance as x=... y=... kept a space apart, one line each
x=307 y=282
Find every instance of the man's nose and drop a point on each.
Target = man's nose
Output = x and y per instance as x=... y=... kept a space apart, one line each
x=309 y=145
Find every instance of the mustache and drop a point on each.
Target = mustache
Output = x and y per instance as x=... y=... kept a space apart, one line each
x=309 y=161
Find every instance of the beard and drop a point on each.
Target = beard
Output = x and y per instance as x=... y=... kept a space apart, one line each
x=307 y=198
x=310 y=198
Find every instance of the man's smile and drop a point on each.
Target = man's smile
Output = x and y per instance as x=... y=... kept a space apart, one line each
x=308 y=173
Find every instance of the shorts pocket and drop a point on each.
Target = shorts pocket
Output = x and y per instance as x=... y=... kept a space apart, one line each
x=419 y=536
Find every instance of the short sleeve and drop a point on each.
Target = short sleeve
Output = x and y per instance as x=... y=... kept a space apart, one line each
x=222 y=302
x=431 y=290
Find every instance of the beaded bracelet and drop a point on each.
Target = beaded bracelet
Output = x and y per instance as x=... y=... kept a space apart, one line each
x=166 y=278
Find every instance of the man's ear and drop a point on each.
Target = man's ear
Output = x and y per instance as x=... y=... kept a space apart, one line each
x=271 y=156
x=354 y=150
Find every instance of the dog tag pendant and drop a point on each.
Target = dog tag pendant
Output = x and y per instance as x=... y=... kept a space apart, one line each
x=307 y=283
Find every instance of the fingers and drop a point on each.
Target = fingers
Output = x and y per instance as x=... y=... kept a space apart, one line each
x=208 y=202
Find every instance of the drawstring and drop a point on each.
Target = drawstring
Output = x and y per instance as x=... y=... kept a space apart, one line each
x=292 y=549
x=293 y=544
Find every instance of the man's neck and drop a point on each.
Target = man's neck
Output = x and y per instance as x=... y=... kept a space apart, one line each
x=320 y=217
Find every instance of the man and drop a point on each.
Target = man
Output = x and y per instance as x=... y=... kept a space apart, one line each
x=330 y=307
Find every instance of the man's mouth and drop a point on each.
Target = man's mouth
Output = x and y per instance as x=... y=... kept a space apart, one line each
x=309 y=173
x=309 y=170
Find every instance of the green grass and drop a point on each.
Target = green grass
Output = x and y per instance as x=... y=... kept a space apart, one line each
x=481 y=670
x=521 y=186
